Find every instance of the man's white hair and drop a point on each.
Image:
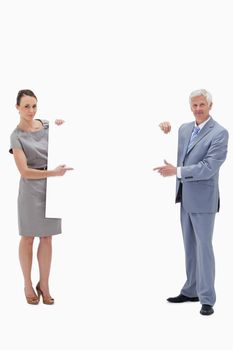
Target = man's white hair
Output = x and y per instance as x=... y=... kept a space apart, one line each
x=201 y=92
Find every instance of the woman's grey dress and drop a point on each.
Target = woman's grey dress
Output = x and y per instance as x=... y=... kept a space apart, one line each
x=32 y=192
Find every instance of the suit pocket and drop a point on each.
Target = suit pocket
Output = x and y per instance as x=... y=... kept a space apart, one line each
x=203 y=183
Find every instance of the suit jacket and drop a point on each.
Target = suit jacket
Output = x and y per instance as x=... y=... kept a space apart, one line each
x=198 y=187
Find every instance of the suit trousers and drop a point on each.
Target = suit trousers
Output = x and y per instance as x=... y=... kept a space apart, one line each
x=197 y=230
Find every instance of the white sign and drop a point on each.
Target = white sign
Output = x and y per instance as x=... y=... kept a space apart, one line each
x=60 y=152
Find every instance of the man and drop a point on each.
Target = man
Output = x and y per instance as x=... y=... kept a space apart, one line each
x=202 y=149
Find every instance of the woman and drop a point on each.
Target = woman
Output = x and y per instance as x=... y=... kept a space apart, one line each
x=29 y=145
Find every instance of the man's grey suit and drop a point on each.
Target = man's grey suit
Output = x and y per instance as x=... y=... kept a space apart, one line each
x=198 y=192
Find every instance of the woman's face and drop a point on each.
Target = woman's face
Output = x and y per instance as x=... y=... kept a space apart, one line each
x=27 y=107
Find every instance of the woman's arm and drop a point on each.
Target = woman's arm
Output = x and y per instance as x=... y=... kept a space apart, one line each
x=28 y=173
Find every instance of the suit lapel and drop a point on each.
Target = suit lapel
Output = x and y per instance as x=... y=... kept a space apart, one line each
x=186 y=138
x=204 y=131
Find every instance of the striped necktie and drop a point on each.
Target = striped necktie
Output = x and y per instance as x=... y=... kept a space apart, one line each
x=193 y=137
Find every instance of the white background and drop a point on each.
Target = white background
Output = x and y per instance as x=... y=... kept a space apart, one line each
x=113 y=70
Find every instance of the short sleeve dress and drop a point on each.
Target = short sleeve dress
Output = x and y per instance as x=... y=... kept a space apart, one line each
x=32 y=192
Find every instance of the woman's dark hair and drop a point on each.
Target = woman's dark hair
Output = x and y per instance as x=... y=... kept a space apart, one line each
x=22 y=93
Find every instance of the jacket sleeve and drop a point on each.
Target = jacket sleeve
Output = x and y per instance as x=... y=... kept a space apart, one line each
x=210 y=164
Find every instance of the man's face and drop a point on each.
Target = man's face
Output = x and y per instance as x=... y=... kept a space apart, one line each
x=200 y=109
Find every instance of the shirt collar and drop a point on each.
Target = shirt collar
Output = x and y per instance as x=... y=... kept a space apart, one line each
x=203 y=124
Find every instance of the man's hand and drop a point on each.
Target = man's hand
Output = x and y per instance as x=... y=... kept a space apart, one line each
x=166 y=170
x=165 y=127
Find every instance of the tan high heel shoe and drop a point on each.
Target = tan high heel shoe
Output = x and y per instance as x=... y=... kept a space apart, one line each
x=46 y=300
x=32 y=300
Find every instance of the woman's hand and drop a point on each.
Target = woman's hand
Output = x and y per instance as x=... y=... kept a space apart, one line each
x=165 y=127
x=61 y=170
x=59 y=121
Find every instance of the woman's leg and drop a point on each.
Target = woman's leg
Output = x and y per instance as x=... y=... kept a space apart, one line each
x=25 y=258
x=44 y=255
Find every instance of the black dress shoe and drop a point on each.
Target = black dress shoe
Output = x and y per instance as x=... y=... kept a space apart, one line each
x=207 y=310
x=182 y=298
